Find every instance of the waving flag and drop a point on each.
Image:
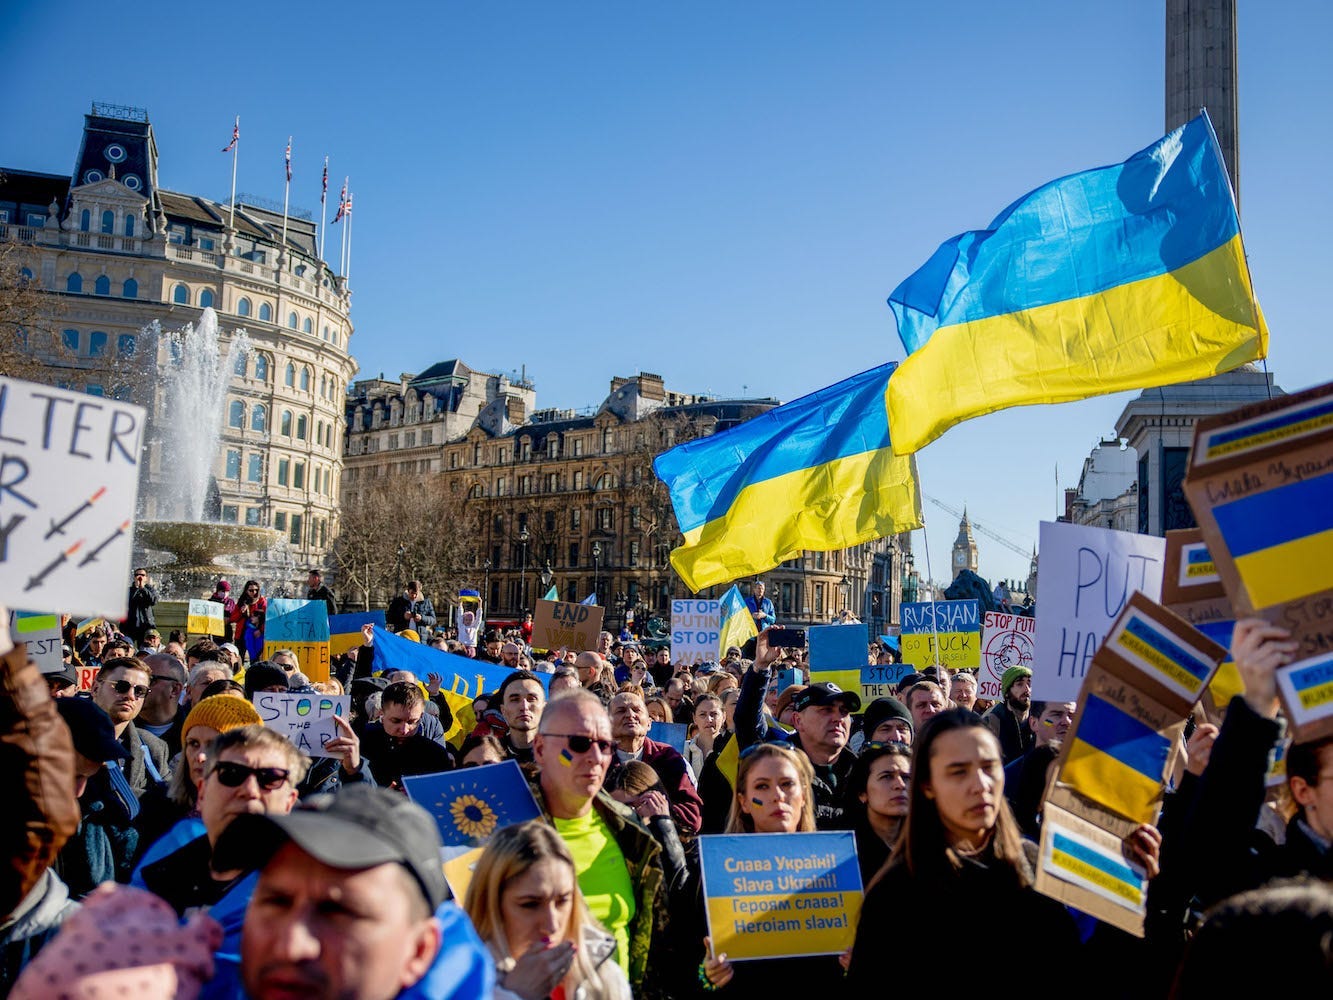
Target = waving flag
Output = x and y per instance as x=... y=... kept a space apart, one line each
x=1124 y=277
x=289 y=158
x=343 y=206
x=736 y=624
x=324 y=190
x=235 y=136
x=818 y=473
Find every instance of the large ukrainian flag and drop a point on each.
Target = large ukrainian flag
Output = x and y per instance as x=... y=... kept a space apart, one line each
x=1124 y=277
x=818 y=473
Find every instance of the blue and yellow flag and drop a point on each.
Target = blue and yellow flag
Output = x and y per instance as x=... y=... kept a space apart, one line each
x=818 y=473
x=472 y=803
x=1124 y=277
x=735 y=623
x=1117 y=760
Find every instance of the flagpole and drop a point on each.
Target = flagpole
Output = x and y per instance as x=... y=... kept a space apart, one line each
x=323 y=210
x=235 y=152
x=286 y=200
x=348 y=275
x=342 y=254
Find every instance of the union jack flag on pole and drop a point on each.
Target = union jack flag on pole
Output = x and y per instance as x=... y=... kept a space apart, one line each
x=235 y=136
x=289 y=158
x=343 y=205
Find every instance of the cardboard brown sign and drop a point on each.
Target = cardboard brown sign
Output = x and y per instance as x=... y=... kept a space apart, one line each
x=566 y=625
x=1192 y=589
x=1126 y=739
x=1260 y=482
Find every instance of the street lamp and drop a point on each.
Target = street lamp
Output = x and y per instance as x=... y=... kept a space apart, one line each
x=523 y=537
x=596 y=562
x=846 y=586
x=486 y=592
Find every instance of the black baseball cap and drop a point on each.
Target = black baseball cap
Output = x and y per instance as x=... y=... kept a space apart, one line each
x=66 y=676
x=825 y=693
x=94 y=735
x=360 y=826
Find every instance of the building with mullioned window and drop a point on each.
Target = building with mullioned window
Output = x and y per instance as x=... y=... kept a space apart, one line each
x=119 y=252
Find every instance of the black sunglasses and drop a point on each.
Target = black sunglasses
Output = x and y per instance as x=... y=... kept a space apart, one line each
x=125 y=687
x=582 y=744
x=164 y=677
x=233 y=775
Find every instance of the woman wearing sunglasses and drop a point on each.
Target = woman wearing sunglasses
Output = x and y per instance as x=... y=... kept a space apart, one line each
x=524 y=902
x=774 y=794
x=876 y=802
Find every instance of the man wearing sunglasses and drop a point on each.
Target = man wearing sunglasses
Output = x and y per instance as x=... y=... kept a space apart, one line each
x=618 y=862
x=119 y=691
x=251 y=770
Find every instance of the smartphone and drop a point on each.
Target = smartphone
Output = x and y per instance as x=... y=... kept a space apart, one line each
x=786 y=638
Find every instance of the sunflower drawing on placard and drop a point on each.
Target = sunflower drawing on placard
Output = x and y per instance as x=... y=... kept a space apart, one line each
x=473 y=817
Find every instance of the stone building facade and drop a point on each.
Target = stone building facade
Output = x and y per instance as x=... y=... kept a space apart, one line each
x=568 y=499
x=120 y=253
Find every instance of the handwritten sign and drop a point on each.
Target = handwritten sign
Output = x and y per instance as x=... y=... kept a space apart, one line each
x=303 y=628
x=781 y=895
x=566 y=625
x=954 y=625
x=1006 y=641
x=205 y=618
x=696 y=629
x=1260 y=482
x=305 y=719
x=1192 y=589
x=69 y=481
x=1087 y=576
x=41 y=634
x=880 y=680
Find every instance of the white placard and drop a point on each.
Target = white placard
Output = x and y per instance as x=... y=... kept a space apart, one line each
x=1006 y=641
x=1085 y=577
x=305 y=718
x=696 y=629
x=69 y=481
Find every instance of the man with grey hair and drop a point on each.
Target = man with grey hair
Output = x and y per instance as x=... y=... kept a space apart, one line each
x=161 y=714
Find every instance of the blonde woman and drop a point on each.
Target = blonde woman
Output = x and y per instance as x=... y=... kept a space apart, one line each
x=525 y=903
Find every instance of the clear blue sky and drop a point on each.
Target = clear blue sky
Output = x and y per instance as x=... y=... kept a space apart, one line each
x=724 y=194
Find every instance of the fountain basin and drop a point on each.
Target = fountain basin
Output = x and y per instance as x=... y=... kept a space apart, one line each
x=195 y=545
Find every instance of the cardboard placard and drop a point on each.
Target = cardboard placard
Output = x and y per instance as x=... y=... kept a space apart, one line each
x=1006 y=641
x=304 y=718
x=780 y=895
x=566 y=625
x=41 y=633
x=695 y=631
x=1083 y=863
x=955 y=625
x=1260 y=481
x=87 y=675
x=69 y=482
x=1087 y=575
x=880 y=680
x=303 y=628
x=205 y=618
x=1192 y=589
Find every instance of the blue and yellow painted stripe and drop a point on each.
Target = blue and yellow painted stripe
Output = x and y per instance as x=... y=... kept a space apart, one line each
x=1152 y=648
x=1277 y=428
x=1196 y=565
x=1281 y=540
x=1123 y=277
x=1117 y=760
x=818 y=473
x=1080 y=861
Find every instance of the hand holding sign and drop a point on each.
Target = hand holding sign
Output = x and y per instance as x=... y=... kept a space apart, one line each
x=1258 y=649
x=718 y=970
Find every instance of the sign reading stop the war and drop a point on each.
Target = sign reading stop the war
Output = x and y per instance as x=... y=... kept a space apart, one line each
x=1006 y=641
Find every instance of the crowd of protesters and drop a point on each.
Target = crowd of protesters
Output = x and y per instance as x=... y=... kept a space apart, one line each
x=163 y=842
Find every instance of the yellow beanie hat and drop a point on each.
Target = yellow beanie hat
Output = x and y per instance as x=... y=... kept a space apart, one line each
x=221 y=712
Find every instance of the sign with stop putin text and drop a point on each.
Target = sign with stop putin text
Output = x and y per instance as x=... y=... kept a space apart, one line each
x=1006 y=641
x=943 y=632
x=69 y=482
x=1087 y=577
x=695 y=630
x=781 y=895
x=566 y=625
